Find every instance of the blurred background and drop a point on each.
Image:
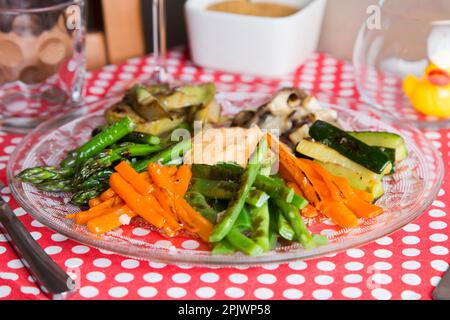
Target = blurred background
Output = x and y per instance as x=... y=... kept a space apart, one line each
x=105 y=43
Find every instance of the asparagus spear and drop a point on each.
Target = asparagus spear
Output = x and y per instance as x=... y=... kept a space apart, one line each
x=284 y=228
x=56 y=186
x=165 y=156
x=199 y=203
x=141 y=138
x=81 y=198
x=106 y=158
x=42 y=174
x=235 y=206
x=231 y=172
x=260 y=220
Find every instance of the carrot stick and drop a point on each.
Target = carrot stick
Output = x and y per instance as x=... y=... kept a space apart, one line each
x=135 y=201
x=160 y=177
x=183 y=178
x=107 y=194
x=167 y=214
x=365 y=196
x=204 y=226
x=110 y=221
x=309 y=211
x=313 y=177
x=95 y=202
x=135 y=179
x=334 y=192
x=340 y=214
x=83 y=217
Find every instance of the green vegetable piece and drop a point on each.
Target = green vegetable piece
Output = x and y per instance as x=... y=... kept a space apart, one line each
x=260 y=221
x=243 y=243
x=223 y=248
x=142 y=138
x=299 y=202
x=237 y=203
x=199 y=203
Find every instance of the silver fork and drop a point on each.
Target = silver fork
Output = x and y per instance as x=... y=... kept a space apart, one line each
x=53 y=281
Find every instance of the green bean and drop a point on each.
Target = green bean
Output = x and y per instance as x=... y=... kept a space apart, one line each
x=243 y=243
x=199 y=203
x=223 y=248
x=260 y=221
x=237 y=203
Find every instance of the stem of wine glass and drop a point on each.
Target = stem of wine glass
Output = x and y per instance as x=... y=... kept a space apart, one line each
x=161 y=75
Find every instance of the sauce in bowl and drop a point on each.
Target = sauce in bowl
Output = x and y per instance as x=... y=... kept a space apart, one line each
x=260 y=9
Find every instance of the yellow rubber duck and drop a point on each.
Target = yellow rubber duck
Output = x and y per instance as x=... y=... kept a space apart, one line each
x=430 y=94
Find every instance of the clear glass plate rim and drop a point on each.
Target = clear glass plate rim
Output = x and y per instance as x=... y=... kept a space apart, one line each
x=195 y=259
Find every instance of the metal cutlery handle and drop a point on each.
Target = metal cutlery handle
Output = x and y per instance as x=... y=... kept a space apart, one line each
x=53 y=280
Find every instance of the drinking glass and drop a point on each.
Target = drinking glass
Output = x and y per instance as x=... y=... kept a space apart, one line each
x=402 y=38
x=42 y=60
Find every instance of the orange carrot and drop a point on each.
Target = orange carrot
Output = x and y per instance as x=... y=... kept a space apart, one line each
x=204 y=226
x=340 y=214
x=135 y=201
x=171 y=222
x=107 y=194
x=183 y=178
x=83 y=217
x=95 y=202
x=110 y=221
x=309 y=211
x=334 y=192
x=160 y=177
x=314 y=178
x=365 y=196
x=135 y=179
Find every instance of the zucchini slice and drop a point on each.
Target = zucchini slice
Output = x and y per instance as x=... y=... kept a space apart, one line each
x=385 y=140
x=356 y=180
x=325 y=154
x=370 y=157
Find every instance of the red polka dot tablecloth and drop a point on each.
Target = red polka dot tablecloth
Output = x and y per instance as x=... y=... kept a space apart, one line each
x=405 y=265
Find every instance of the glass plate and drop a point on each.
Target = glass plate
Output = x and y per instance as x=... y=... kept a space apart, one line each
x=408 y=193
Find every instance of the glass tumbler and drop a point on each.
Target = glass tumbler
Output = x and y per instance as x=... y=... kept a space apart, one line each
x=42 y=60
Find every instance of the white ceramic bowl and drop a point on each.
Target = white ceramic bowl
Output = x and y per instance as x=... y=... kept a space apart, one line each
x=271 y=47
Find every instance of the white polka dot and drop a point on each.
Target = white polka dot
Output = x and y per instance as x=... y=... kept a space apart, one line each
x=411 y=279
x=9 y=149
x=88 y=292
x=95 y=276
x=73 y=263
x=354 y=266
x=437 y=213
x=353 y=278
x=2 y=250
x=30 y=290
x=176 y=292
x=209 y=277
x=15 y=264
x=381 y=294
x=118 y=292
x=190 y=244
x=263 y=293
x=324 y=280
x=439 y=265
x=238 y=278
x=124 y=277
x=53 y=250
x=381 y=278
x=8 y=276
x=439 y=250
x=19 y=212
x=411 y=265
x=322 y=294
x=438 y=204
x=205 y=292
x=181 y=278
x=326 y=266
x=434 y=281
x=80 y=249
x=130 y=264
x=381 y=265
x=437 y=225
x=5 y=291
x=3 y=238
x=382 y=253
x=298 y=265
x=410 y=240
x=58 y=237
x=385 y=241
x=36 y=235
x=272 y=266
x=438 y=237
x=410 y=295
x=36 y=224
x=411 y=252
x=147 y=292
x=140 y=232
x=266 y=278
x=292 y=294
x=157 y=265
x=102 y=262
x=234 y=292
x=351 y=292
x=355 y=253
x=153 y=277
x=295 y=279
